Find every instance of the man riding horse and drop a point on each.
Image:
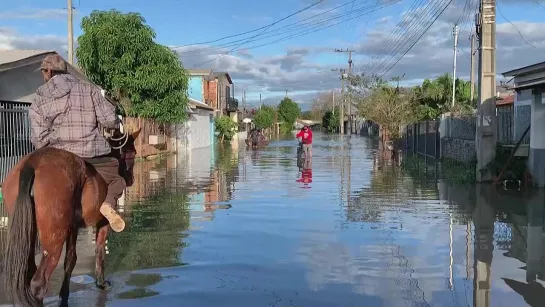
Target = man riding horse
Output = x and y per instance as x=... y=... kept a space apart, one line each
x=66 y=115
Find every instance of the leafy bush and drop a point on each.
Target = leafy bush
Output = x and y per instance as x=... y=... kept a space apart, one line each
x=226 y=127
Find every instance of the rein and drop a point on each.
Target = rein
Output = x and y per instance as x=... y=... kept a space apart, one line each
x=124 y=136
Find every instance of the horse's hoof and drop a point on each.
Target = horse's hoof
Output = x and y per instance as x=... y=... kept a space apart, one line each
x=104 y=286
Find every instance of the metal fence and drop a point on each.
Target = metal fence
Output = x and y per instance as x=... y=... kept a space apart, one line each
x=506 y=124
x=423 y=138
x=14 y=143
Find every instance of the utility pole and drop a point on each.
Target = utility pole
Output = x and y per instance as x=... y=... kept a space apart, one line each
x=472 y=77
x=70 y=33
x=341 y=103
x=455 y=33
x=486 y=115
x=348 y=77
x=333 y=102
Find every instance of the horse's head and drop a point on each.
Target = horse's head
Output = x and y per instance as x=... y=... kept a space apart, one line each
x=124 y=150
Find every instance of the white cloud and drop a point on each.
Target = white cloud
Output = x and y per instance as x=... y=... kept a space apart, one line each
x=299 y=71
x=34 y=13
x=11 y=39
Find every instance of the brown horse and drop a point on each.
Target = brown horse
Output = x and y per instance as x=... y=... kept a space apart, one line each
x=50 y=194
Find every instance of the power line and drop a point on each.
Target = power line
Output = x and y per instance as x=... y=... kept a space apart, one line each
x=263 y=27
x=424 y=32
x=516 y=28
x=266 y=28
x=414 y=29
x=296 y=28
x=408 y=41
x=411 y=32
x=539 y=3
x=393 y=36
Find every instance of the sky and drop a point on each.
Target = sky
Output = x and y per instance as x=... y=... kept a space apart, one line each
x=289 y=45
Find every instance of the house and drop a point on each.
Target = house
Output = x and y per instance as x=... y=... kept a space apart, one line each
x=215 y=89
x=19 y=75
x=529 y=105
x=227 y=104
x=199 y=87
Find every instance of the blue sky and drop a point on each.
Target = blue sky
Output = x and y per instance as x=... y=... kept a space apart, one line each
x=301 y=65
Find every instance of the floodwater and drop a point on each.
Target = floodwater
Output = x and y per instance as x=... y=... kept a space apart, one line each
x=241 y=228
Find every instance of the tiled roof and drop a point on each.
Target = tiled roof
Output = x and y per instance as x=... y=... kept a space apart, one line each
x=506 y=101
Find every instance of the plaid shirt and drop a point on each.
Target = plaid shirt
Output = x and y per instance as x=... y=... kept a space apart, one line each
x=67 y=114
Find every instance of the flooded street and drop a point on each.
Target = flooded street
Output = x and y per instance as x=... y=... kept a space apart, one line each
x=235 y=227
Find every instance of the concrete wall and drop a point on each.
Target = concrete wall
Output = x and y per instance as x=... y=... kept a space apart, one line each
x=458 y=138
x=536 y=161
x=196 y=89
x=458 y=149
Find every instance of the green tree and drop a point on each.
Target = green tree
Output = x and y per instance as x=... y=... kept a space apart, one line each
x=434 y=97
x=264 y=117
x=226 y=127
x=117 y=51
x=330 y=120
x=385 y=103
x=288 y=112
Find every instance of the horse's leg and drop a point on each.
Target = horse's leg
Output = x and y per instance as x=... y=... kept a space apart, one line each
x=51 y=253
x=102 y=233
x=70 y=259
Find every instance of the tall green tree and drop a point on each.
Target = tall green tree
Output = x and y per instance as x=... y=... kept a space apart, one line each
x=434 y=97
x=288 y=112
x=264 y=117
x=117 y=51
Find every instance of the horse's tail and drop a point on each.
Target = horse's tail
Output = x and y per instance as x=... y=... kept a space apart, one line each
x=21 y=242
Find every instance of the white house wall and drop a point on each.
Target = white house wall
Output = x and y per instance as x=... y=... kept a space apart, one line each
x=195 y=133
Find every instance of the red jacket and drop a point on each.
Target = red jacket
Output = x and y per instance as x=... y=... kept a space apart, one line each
x=305 y=135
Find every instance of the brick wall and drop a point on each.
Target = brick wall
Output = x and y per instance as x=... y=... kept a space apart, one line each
x=211 y=94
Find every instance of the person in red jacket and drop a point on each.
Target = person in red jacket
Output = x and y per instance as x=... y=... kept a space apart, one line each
x=306 y=138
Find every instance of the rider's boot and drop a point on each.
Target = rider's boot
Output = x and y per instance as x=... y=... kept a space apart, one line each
x=116 y=222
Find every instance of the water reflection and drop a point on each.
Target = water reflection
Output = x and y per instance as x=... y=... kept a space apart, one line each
x=306 y=174
x=230 y=227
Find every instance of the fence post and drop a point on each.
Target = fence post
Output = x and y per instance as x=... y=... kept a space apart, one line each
x=426 y=139
x=437 y=123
